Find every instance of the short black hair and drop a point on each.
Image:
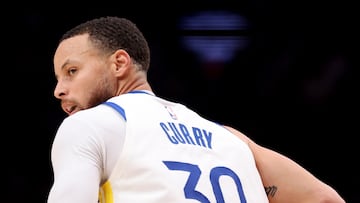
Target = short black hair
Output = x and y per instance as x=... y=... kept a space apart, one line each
x=111 y=33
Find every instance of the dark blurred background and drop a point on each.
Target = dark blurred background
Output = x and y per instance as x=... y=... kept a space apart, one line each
x=281 y=72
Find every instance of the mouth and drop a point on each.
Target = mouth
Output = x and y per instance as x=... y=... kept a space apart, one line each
x=69 y=108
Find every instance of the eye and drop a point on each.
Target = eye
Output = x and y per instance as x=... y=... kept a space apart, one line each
x=72 y=71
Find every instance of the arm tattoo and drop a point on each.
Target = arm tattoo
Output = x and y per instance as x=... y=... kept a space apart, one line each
x=270 y=190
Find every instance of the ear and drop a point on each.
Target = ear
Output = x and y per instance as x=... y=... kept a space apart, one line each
x=121 y=62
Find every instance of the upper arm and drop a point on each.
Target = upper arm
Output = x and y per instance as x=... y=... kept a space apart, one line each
x=285 y=180
x=76 y=162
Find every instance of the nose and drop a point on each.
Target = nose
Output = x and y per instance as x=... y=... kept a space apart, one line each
x=59 y=90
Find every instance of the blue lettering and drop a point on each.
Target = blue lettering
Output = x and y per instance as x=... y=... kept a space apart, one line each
x=198 y=136
x=186 y=134
x=176 y=133
x=208 y=136
x=165 y=129
x=179 y=133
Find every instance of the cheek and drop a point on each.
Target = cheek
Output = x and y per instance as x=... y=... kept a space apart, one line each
x=95 y=86
x=99 y=91
x=89 y=82
x=84 y=90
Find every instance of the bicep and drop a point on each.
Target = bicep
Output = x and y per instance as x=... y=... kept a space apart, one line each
x=284 y=179
x=75 y=184
x=76 y=165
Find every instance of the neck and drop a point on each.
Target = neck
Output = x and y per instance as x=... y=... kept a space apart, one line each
x=137 y=82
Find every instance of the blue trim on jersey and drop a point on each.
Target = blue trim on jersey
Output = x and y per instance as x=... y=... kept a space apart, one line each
x=140 y=91
x=117 y=108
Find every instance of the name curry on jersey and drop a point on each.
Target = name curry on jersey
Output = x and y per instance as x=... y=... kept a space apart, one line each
x=179 y=133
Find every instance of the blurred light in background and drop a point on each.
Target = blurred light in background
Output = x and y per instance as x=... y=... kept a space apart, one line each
x=214 y=36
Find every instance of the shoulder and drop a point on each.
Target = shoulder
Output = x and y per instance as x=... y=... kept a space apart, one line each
x=90 y=124
x=96 y=116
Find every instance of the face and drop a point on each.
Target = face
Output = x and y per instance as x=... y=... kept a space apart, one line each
x=84 y=77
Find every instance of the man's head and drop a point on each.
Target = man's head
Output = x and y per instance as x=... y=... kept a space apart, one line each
x=97 y=60
x=109 y=34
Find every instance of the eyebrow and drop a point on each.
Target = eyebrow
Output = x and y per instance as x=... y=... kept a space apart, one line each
x=65 y=64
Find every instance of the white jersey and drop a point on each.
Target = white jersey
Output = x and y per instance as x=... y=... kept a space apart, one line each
x=165 y=152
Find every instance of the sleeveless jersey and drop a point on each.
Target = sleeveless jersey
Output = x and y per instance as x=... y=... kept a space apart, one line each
x=172 y=154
